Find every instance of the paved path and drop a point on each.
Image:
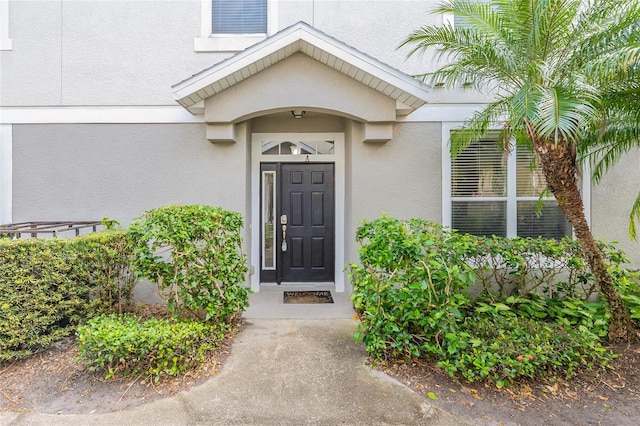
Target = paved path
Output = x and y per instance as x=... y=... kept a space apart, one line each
x=280 y=372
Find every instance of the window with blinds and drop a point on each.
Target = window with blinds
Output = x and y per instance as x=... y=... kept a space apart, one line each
x=498 y=193
x=548 y=221
x=479 y=190
x=239 y=17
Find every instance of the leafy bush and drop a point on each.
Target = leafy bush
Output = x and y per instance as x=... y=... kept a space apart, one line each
x=105 y=257
x=517 y=266
x=591 y=317
x=411 y=292
x=121 y=345
x=409 y=287
x=194 y=254
x=47 y=287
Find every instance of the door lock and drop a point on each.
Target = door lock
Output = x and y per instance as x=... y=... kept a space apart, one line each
x=283 y=219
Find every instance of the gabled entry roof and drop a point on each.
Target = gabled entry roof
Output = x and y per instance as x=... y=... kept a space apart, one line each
x=305 y=39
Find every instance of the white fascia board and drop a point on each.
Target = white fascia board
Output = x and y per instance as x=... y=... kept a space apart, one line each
x=96 y=114
x=369 y=65
x=232 y=64
x=177 y=114
x=288 y=41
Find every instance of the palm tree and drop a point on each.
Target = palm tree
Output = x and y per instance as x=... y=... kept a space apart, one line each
x=562 y=74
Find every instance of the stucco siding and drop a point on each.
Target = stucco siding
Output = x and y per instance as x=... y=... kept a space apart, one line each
x=299 y=82
x=80 y=172
x=100 y=52
x=401 y=178
x=82 y=52
x=611 y=202
x=31 y=72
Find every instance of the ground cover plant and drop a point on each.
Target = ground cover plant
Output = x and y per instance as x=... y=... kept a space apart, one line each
x=484 y=309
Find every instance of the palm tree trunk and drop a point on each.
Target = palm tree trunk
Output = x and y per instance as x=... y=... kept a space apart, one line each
x=558 y=165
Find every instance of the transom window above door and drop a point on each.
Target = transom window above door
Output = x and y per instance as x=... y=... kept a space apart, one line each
x=307 y=147
x=499 y=193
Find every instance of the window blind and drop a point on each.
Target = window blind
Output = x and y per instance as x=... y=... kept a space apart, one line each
x=479 y=190
x=484 y=204
x=530 y=184
x=239 y=17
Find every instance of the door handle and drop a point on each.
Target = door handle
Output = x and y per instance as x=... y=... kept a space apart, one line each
x=284 y=237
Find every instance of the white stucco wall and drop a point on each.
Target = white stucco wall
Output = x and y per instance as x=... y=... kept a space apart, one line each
x=76 y=172
x=611 y=202
x=400 y=177
x=86 y=52
x=100 y=52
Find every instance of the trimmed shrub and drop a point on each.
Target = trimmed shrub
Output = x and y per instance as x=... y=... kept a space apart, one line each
x=106 y=258
x=47 y=287
x=123 y=346
x=194 y=254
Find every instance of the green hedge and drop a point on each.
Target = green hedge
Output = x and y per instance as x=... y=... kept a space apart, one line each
x=124 y=346
x=49 y=286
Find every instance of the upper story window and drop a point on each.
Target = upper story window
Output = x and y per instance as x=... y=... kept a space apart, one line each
x=460 y=21
x=239 y=17
x=498 y=193
x=5 y=41
x=234 y=25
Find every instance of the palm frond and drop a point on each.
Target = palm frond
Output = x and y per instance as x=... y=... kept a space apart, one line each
x=561 y=113
x=479 y=125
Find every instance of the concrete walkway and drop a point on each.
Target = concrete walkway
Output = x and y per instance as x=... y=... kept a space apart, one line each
x=280 y=372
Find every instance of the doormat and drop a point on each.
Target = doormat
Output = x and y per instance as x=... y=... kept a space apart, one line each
x=308 y=297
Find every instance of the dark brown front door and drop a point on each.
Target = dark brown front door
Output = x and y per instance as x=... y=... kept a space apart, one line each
x=303 y=222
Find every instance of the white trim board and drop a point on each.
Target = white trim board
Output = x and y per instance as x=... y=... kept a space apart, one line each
x=177 y=114
x=5 y=42
x=339 y=161
x=97 y=114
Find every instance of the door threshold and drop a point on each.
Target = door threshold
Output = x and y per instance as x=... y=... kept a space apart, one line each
x=297 y=286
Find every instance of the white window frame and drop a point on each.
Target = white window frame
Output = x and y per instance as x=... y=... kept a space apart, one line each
x=6 y=173
x=262 y=226
x=209 y=42
x=511 y=197
x=5 y=41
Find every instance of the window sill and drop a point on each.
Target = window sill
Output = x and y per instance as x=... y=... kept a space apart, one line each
x=6 y=44
x=226 y=43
